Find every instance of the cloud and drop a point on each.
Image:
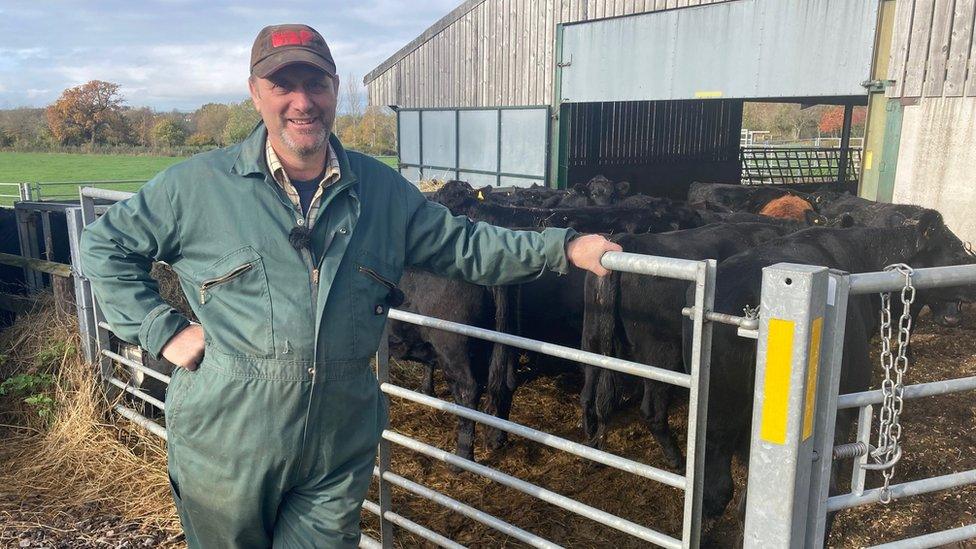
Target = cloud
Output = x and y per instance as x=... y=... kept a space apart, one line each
x=181 y=53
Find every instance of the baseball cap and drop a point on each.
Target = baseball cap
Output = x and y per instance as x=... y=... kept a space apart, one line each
x=280 y=45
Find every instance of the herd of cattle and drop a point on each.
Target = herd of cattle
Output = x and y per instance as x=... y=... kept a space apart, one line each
x=638 y=318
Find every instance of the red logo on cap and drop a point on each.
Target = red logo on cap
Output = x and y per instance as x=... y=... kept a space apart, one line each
x=291 y=38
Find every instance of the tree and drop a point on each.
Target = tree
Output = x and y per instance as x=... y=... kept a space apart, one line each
x=168 y=133
x=210 y=121
x=25 y=126
x=832 y=120
x=90 y=112
x=141 y=121
x=349 y=108
x=200 y=140
x=373 y=133
x=241 y=119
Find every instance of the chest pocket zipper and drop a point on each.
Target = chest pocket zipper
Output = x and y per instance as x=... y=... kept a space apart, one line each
x=212 y=282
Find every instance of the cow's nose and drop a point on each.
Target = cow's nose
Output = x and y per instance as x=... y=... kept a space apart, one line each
x=950 y=321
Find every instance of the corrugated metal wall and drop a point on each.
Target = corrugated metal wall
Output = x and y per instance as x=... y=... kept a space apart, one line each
x=933 y=51
x=500 y=53
x=651 y=132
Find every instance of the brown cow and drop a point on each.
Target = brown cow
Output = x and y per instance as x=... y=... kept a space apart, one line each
x=787 y=207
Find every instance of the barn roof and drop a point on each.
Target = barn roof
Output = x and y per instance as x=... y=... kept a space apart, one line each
x=431 y=31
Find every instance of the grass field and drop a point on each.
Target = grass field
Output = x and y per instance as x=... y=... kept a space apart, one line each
x=71 y=169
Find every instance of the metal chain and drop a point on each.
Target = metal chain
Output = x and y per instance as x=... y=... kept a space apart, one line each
x=888 y=450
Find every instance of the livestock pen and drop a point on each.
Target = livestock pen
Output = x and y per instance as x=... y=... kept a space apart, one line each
x=425 y=499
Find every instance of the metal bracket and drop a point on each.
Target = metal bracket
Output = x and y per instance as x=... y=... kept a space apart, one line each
x=567 y=63
x=877 y=85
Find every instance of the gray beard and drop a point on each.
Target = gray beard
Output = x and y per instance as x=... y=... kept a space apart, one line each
x=305 y=151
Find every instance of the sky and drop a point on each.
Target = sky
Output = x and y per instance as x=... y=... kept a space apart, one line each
x=180 y=54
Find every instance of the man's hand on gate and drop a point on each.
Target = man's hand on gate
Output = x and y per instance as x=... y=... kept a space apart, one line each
x=185 y=349
x=585 y=252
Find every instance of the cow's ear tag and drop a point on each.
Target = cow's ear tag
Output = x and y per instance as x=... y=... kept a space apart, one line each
x=481 y=195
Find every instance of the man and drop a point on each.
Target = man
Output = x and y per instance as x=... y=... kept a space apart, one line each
x=289 y=248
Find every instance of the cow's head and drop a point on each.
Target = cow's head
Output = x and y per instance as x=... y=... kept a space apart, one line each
x=601 y=191
x=458 y=196
x=938 y=246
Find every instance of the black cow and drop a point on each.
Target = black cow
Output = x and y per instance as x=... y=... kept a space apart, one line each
x=739 y=198
x=869 y=213
x=598 y=191
x=638 y=318
x=656 y=215
x=465 y=361
x=922 y=244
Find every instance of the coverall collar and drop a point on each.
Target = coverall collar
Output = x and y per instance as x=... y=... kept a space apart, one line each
x=250 y=158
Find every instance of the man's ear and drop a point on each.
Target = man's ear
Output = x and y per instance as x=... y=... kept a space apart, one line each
x=252 y=86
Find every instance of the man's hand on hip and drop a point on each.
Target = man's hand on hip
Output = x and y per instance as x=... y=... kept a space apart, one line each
x=185 y=349
x=585 y=252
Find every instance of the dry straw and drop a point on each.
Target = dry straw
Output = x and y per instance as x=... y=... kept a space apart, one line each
x=81 y=459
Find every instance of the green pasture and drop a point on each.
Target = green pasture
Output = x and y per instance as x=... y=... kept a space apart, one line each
x=68 y=170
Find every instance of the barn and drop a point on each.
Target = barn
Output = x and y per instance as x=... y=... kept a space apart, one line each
x=522 y=92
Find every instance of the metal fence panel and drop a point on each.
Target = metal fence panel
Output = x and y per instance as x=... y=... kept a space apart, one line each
x=523 y=141
x=408 y=138
x=438 y=138
x=478 y=140
x=792 y=165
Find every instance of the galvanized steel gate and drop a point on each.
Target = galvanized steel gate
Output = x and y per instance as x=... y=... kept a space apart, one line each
x=801 y=339
x=95 y=333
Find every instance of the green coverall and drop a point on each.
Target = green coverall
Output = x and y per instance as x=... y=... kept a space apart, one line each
x=272 y=439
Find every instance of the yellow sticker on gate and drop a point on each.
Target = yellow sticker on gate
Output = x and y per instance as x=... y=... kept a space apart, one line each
x=776 y=382
x=868 y=160
x=810 y=401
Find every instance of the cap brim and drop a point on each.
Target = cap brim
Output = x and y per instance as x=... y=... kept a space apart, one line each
x=275 y=62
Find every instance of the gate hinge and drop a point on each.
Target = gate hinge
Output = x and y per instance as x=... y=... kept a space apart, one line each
x=562 y=64
x=877 y=85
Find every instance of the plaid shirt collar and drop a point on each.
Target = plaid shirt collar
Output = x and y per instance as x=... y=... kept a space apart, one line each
x=330 y=176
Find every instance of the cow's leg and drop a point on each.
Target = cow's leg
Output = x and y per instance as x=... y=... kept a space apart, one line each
x=718 y=485
x=428 y=385
x=657 y=403
x=502 y=380
x=591 y=377
x=502 y=383
x=654 y=408
x=606 y=401
x=457 y=367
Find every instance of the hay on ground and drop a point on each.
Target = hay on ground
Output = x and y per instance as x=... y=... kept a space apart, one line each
x=75 y=468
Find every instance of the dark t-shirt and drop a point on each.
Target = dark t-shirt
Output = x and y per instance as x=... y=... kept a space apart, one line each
x=306 y=190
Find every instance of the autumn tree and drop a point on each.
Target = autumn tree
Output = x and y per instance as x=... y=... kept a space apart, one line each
x=241 y=119
x=90 y=112
x=168 y=133
x=141 y=122
x=373 y=133
x=210 y=121
x=832 y=120
x=24 y=126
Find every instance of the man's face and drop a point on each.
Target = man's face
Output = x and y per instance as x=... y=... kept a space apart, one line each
x=298 y=105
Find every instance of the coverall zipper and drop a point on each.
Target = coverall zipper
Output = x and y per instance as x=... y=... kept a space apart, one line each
x=211 y=282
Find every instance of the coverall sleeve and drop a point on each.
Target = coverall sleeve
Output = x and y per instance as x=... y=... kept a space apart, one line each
x=456 y=247
x=117 y=252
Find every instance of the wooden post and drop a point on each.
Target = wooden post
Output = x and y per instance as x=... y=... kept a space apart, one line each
x=64 y=294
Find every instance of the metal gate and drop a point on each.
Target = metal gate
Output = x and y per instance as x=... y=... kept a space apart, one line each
x=801 y=339
x=96 y=337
